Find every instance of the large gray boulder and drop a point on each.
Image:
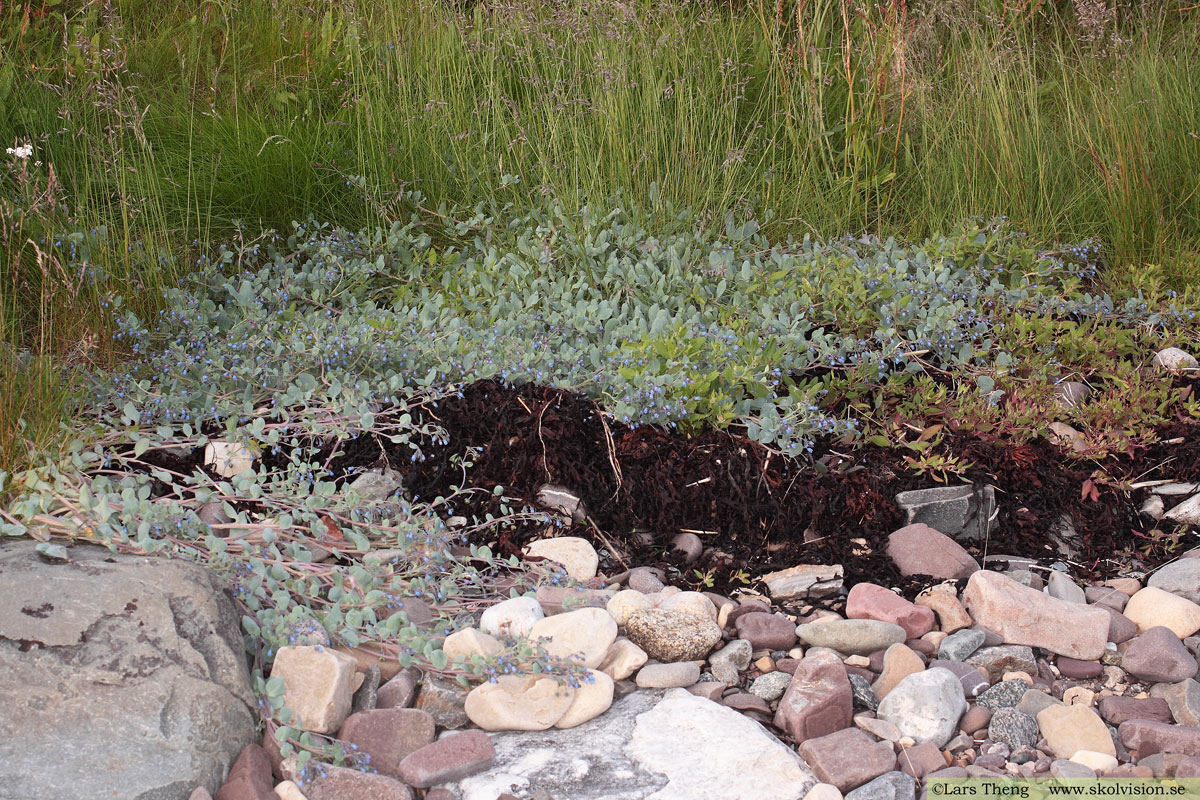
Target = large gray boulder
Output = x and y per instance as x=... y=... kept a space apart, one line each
x=670 y=745
x=120 y=677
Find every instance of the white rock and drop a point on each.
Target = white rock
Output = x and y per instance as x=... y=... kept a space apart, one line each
x=1173 y=358
x=318 y=685
x=519 y=703
x=1154 y=507
x=576 y=555
x=690 y=749
x=926 y=706
x=228 y=459
x=1187 y=512
x=582 y=636
x=622 y=659
x=1174 y=489
x=592 y=698
x=625 y=602
x=1098 y=762
x=470 y=642
x=764 y=767
x=823 y=791
x=512 y=618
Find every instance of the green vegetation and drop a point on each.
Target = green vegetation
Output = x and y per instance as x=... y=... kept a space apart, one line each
x=166 y=129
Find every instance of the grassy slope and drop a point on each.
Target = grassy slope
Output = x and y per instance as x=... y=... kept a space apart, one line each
x=169 y=127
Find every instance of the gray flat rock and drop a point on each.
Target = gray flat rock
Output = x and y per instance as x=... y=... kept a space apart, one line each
x=122 y=676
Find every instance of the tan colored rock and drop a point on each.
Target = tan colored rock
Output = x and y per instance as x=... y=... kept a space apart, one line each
x=899 y=661
x=470 y=642
x=693 y=603
x=592 y=698
x=879 y=728
x=1069 y=729
x=519 y=703
x=318 y=685
x=582 y=636
x=576 y=555
x=1079 y=696
x=626 y=602
x=289 y=791
x=723 y=613
x=1151 y=607
x=622 y=659
x=1129 y=586
x=943 y=599
x=1024 y=616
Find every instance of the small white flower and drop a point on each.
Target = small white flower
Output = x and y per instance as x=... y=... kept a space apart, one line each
x=22 y=152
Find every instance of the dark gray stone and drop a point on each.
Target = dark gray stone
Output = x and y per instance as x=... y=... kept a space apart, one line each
x=961 y=644
x=367 y=694
x=1003 y=695
x=1013 y=728
x=122 y=676
x=864 y=695
x=888 y=786
x=961 y=512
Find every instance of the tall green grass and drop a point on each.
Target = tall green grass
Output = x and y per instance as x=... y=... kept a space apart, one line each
x=170 y=125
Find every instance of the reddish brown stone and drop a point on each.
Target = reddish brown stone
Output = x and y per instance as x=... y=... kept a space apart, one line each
x=399 y=691
x=1148 y=738
x=818 y=701
x=920 y=550
x=1120 y=627
x=976 y=719
x=1116 y=710
x=1158 y=656
x=862 y=672
x=450 y=759
x=869 y=601
x=1188 y=767
x=749 y=606
x=787 y=665
x=766 y=631
x=250 y=777
x=339 y=783
x=848 y=758
x=921 y=646
x=744 y=701
x=921 y=760
x=1078 y=670
x=388 y=735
